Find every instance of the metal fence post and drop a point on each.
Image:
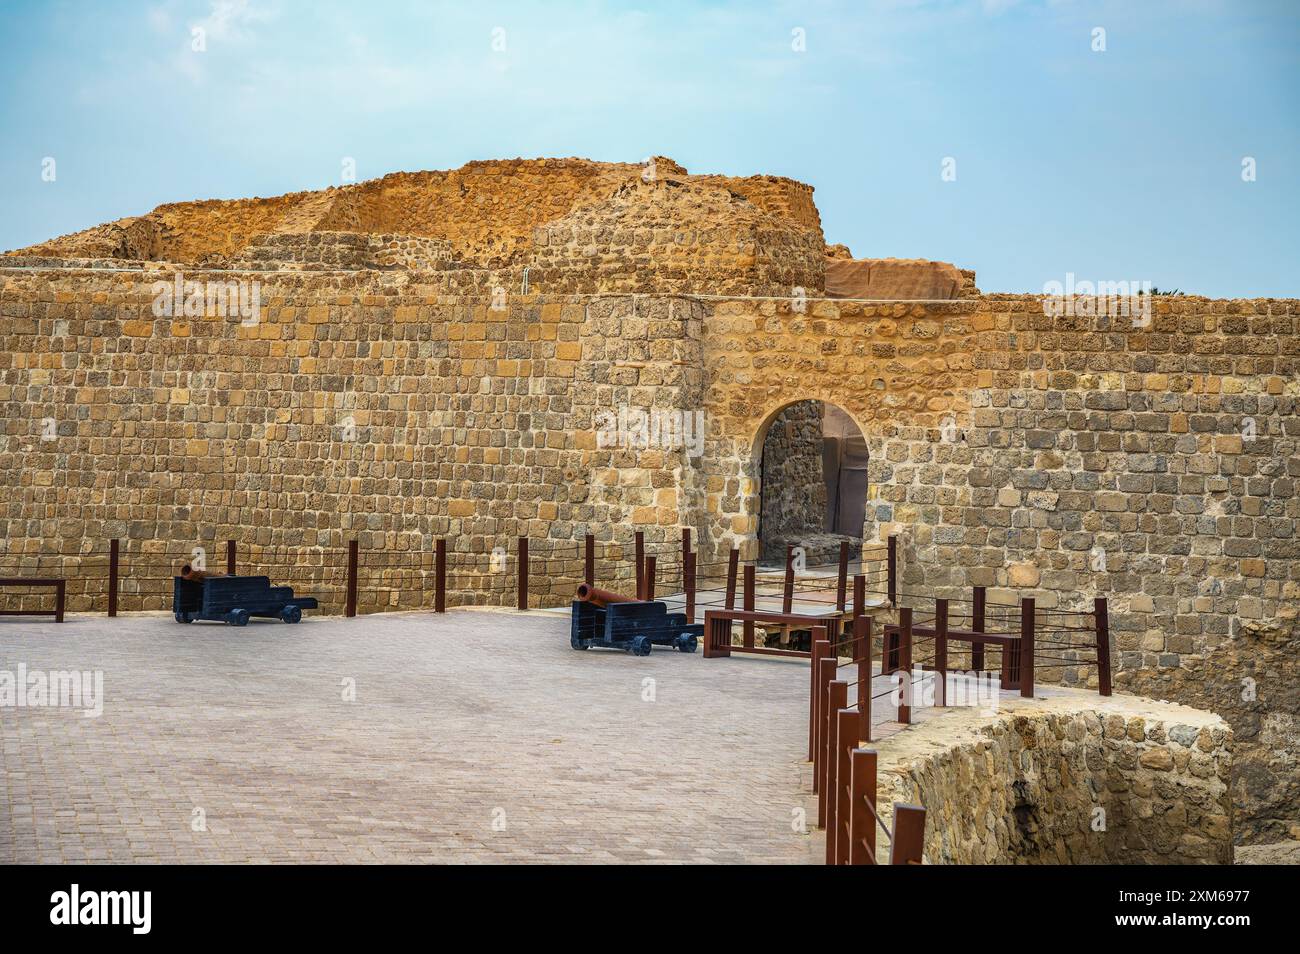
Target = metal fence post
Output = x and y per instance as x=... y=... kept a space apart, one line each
x=846 y=740
x=113 y=550
x=523 y=573
x=907 y=844
x=688 y=580
x=862 y=641
x=905 y=665
x=748 y=605
x=350 y=598
x=837 y=694
x=640 y=564
x=787 y=595
x=941 y=649
x=892 y=584
x=862 y=799
x=842 y=582
x=1027 y=647
x=978 y=598
x=821 y=649
x=733 y=561
x=440 y=576
x=1101 y=615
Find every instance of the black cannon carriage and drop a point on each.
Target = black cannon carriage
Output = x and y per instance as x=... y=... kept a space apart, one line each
x=634 y=627
x=234 y=599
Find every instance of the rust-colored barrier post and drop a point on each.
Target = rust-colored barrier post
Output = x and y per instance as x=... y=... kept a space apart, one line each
x=1101 y=615
x=1027 y=647
x=230 y=557
x=842 y=583
x=748 y=605
x=589 y=560
x=688 y=577
x=821 y=648
x=60 y=599
x=905 y=665
x=717 y=634
x=787 y=595
x=350 y=598
x=907 y=843
x=862 y=640
x=862 y=801
x=846 y=740
x=523 y=573
x=941 y=650
x=825 y=676
x=1010 y=676
x=837 y=694
x=859 y=595
x=440 y=576
x=640 y=564
x=686 y=543
x=892 y=551
x=113 y=553
x=733 y=562
x=978 y=597
x=650 y=562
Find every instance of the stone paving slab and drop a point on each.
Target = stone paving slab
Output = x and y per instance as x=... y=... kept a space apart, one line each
x=459 y=721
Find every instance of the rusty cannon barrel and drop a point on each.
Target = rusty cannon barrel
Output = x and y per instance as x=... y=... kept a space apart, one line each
x=189 y=573
x=589 y=594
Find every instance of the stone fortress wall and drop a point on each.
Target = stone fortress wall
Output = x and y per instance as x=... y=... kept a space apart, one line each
x=1060 y=457
x=1055 y=781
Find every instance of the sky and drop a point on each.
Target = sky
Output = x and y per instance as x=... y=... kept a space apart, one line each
x=1007 y=136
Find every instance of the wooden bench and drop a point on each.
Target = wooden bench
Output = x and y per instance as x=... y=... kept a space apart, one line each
x=58 y=586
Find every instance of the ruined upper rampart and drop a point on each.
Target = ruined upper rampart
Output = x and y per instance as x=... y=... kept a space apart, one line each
x=735 y=234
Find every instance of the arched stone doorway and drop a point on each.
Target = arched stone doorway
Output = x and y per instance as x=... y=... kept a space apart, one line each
x=812 y=468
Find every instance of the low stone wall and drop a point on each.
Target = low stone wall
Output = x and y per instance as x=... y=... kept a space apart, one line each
x=1071 y=778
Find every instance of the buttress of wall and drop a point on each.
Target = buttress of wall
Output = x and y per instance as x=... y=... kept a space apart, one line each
x=354 y=407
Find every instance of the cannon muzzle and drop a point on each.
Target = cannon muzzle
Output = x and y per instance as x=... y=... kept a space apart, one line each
x=189 y=573
x=589 y=594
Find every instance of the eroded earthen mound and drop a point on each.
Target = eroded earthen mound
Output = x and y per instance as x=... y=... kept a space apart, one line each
x=558 y=225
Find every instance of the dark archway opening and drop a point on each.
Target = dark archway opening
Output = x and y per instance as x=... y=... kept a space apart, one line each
x=813 y=483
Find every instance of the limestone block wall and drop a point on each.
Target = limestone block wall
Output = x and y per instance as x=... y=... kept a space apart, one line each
x=1057 y=781
x=1064 y=458
x=356 y=406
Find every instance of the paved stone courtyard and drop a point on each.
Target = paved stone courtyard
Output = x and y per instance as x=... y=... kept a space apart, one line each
x=473 y=737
